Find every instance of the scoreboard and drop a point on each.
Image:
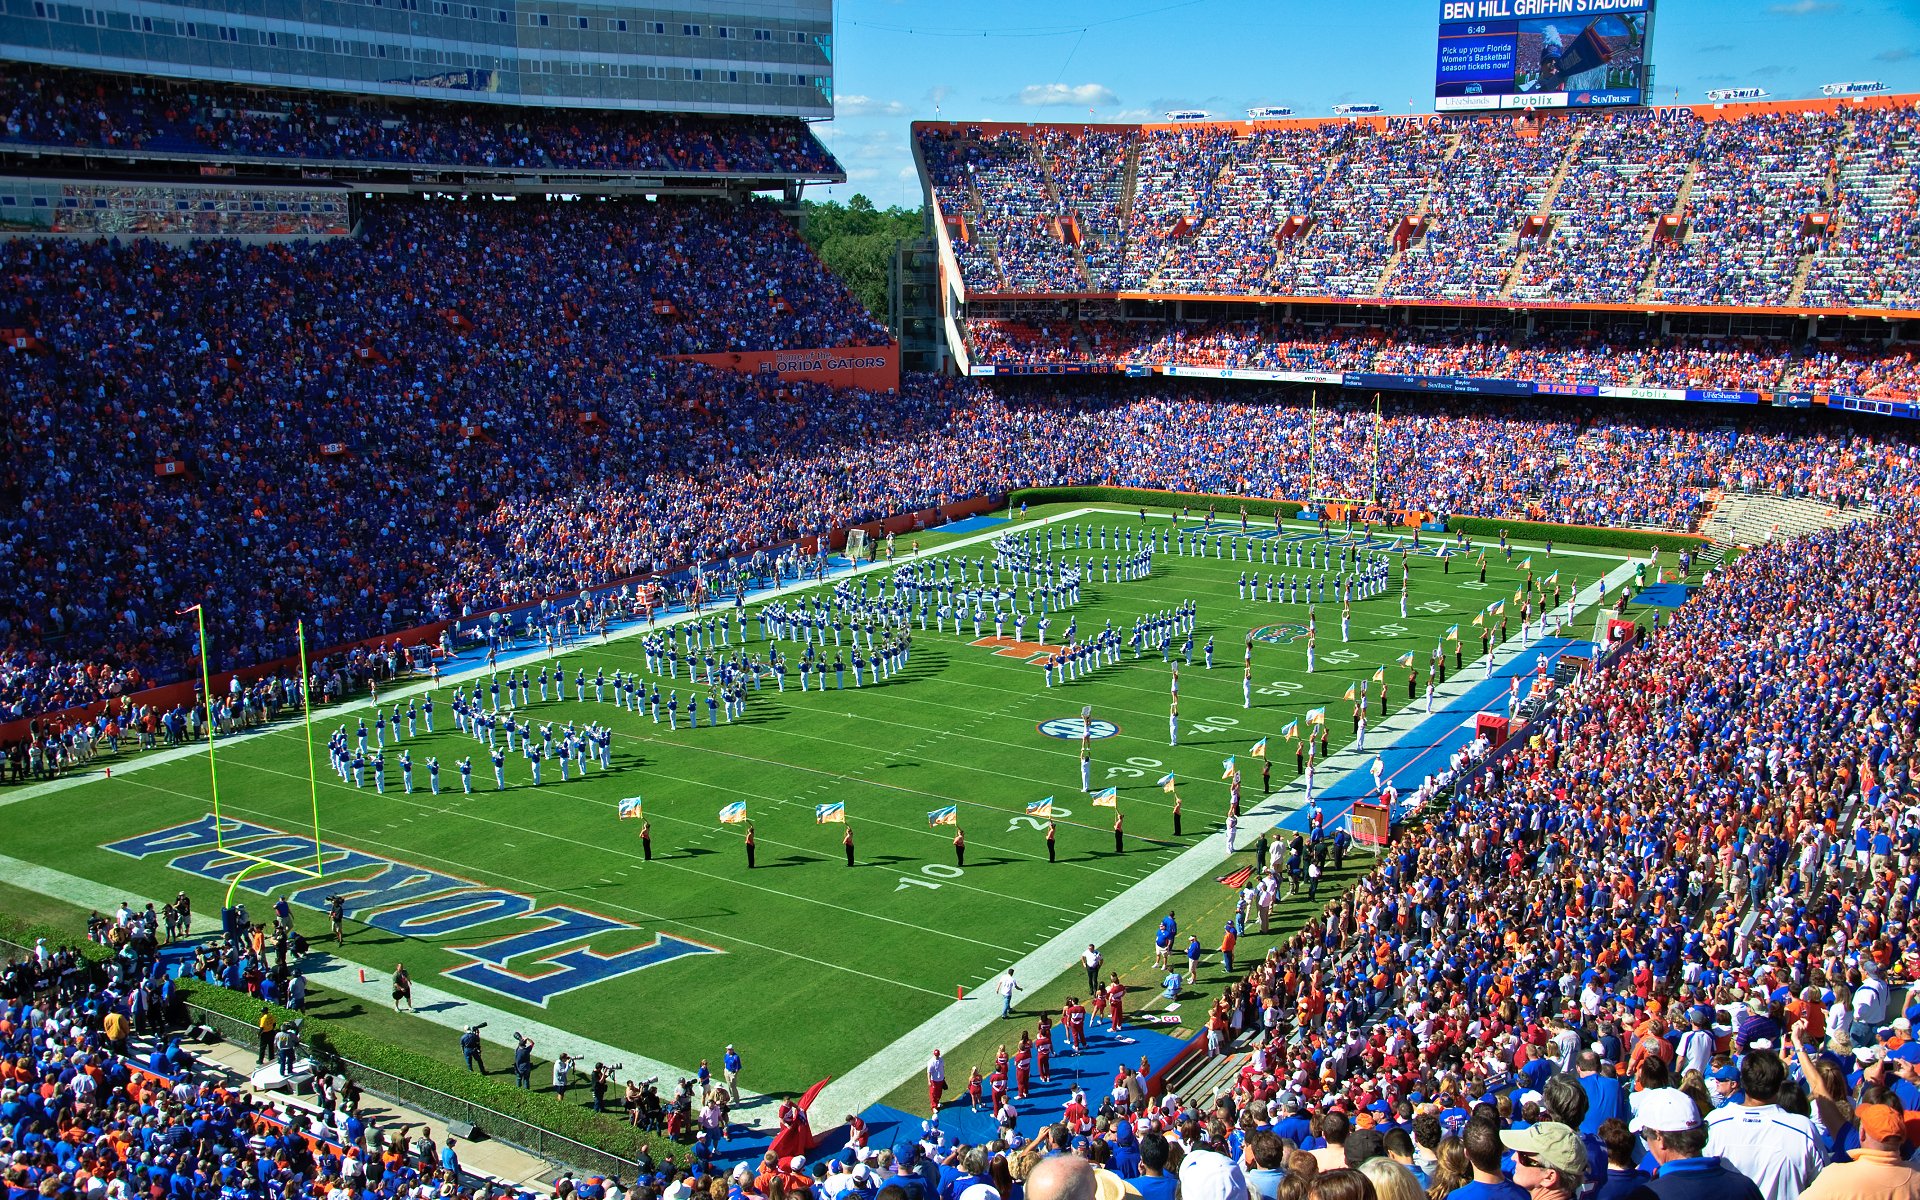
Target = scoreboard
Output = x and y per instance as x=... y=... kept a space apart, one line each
x=1515 y=54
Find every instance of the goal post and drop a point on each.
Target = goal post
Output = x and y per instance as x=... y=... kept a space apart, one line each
x=297 y=863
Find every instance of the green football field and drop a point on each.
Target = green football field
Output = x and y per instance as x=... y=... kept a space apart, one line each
x=810 y=965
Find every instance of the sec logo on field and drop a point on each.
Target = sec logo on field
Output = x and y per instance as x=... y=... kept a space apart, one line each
x=1069 y=728
x=1280 y=634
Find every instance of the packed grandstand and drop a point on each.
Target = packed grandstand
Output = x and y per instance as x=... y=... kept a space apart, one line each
x=465 y=404
x=1771 y=206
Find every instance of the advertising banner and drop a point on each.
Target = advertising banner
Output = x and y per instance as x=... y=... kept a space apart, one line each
x=870 y=368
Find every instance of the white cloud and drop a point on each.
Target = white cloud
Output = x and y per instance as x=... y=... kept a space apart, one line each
x=867 y=106
x=1087 y=95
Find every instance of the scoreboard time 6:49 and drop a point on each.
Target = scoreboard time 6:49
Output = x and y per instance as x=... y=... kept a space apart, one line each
x=1511 y=54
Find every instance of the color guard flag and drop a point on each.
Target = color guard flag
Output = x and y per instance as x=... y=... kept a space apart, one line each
x=1166 y=783
x=630 y=808
x=1041 y=808
x=1406 y=660
x=1226 y=768
x=1237 y=879
x=950 y=815
x=1350 y=693
x=1291 y=731
x=824 y=814
x=1259 y=749
x=1519 y=594
x=1107 y=798
x=734 y=813
x=1380 y=675
x=1453 y=633
x=1553 y=578
x=1526 y=564
x=1480 y=620
x=1316 y=716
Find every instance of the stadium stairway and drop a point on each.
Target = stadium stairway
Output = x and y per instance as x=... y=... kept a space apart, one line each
x=1751 y=518
x=1544 y=210
x=1650 y=281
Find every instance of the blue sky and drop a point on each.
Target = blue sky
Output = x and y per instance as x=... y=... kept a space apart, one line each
x=898 y=61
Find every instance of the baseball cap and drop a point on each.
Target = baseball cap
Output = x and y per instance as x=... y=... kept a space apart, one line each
x=1879 y=1123
x=1727 y=1074
x=1665 y=1110
x=1363 y=1144
x=1206 y=1175
x=1556 y=1146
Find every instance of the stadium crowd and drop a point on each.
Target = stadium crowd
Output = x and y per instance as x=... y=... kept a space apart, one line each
x=637 y=465
x=1626 y=357
x=46 y=106
x=1438 y=208
x=451 y=359
x=102 y=1096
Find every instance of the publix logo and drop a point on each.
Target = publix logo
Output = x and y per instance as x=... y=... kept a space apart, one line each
x=1068 y=728
x=1280 y=634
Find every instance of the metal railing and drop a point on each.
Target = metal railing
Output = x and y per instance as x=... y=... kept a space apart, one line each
x=501 y=1127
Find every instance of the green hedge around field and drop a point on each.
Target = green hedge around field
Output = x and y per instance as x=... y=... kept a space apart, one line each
x=1577 y=535
x=24 y=935
x=1478 y=527
x=1289 y=509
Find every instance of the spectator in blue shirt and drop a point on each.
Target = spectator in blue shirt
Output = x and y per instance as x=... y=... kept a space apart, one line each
x=1481 y=1139
x=1620 y=1178
x=1669 y=1123
x=1153 y=1182
x=1606 y=1098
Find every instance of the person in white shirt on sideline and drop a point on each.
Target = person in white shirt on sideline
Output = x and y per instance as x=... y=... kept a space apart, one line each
x=1776 y=1149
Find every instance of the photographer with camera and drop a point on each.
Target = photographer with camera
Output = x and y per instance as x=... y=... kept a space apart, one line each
x=470 y=1047
x=602 y=1079
x=522 y=1060
x=563 y=1073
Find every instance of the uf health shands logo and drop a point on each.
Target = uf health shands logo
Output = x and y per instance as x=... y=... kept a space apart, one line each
x=1069 y=728
x=531 y=953
x=1280 y=634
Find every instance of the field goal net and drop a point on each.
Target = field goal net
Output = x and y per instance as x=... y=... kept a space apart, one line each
x=1370 y=825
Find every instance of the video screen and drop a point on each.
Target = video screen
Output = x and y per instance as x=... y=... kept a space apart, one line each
x=1541 y=54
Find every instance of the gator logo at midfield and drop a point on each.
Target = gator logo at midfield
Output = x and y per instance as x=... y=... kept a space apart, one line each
x=1280 y=634
x=1007 y=647
x=1068 y=729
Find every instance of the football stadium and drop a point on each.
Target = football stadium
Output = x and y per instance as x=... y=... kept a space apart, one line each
x=1322 y=655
